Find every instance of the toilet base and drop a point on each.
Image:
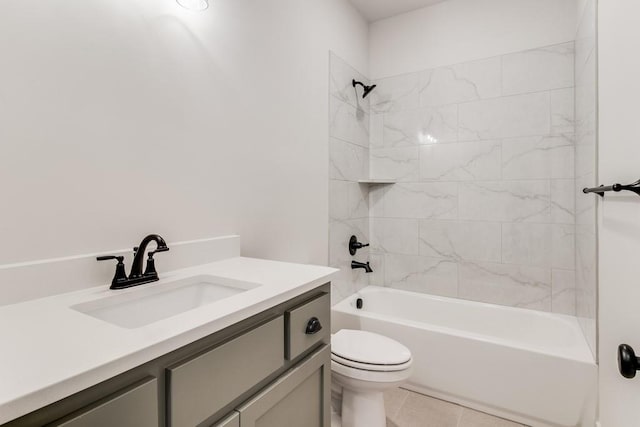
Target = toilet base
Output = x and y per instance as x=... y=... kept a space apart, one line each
x=363 y=409
x=358 y=384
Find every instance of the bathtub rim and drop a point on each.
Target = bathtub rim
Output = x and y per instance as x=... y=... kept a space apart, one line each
x=580 y=353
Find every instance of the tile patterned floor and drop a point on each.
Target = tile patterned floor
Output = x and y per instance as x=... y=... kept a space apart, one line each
x=408 y=409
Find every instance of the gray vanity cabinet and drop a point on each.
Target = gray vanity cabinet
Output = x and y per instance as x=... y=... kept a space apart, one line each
x=121 y=409
x=270 y=370
x=299 y=398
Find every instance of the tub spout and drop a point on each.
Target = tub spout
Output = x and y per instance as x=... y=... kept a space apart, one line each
x=366 y=267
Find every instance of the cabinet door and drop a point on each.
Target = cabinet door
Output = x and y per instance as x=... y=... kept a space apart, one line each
x=136 y=406
x=301 y=397
x=202 y=386
x=230 y=421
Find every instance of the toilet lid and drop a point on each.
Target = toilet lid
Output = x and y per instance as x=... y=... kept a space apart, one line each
x=368 y=348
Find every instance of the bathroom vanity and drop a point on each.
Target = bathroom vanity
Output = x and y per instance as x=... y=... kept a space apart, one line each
x=259 y=358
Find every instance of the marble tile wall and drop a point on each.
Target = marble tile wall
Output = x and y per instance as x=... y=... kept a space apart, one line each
x=484 y=205
x=585 y=167
x=348 y=163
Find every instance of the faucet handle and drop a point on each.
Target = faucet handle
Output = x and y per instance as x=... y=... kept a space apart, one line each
x=109 y=257
x=151 y=263
x=121 y=275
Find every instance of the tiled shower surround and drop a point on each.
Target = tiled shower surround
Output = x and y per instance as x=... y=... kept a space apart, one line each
x=484 y=204
x=483 y=153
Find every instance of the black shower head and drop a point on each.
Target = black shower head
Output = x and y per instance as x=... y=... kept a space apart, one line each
x=367 y=89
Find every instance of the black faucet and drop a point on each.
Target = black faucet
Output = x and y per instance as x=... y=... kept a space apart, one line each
x=137 y=277
x=366 y=267
x=138 y=258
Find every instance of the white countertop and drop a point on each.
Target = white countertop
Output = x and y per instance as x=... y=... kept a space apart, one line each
x=50 y=351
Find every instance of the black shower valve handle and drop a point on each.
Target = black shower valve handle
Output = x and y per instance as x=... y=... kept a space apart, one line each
x=354 y=245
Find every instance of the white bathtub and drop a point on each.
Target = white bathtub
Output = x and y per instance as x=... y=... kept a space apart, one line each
x=525 y=365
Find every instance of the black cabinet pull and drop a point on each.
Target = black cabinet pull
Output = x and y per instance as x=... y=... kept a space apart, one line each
x=628 y=363
x=313 y=326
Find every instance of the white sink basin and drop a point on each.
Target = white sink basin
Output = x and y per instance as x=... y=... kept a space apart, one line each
x=153 y=302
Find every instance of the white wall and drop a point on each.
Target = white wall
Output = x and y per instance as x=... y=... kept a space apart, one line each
x=619 y=229
x=463 y=30
x=121 y=118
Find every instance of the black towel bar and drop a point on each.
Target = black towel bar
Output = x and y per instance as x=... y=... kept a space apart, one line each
x=634 y=187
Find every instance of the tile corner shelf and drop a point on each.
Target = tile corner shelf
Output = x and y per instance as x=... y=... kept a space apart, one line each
x=372 y=181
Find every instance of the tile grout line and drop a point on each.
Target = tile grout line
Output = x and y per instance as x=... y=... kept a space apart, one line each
x=400 y=406
x=460 y=417
x=501 y=55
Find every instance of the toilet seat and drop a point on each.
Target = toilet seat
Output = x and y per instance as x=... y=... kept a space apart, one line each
x=370 y=366
x=370 y=377
x=369 y=351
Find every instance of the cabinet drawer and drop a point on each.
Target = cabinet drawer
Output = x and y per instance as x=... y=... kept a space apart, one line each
x=136 y=406
x=299 y=338
x=200 y=387
x=300 y=398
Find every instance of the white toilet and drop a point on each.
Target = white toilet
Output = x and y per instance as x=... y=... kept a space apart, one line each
x=363 y=366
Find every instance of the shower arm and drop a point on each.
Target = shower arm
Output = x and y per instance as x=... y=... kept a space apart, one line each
x=354 y=83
